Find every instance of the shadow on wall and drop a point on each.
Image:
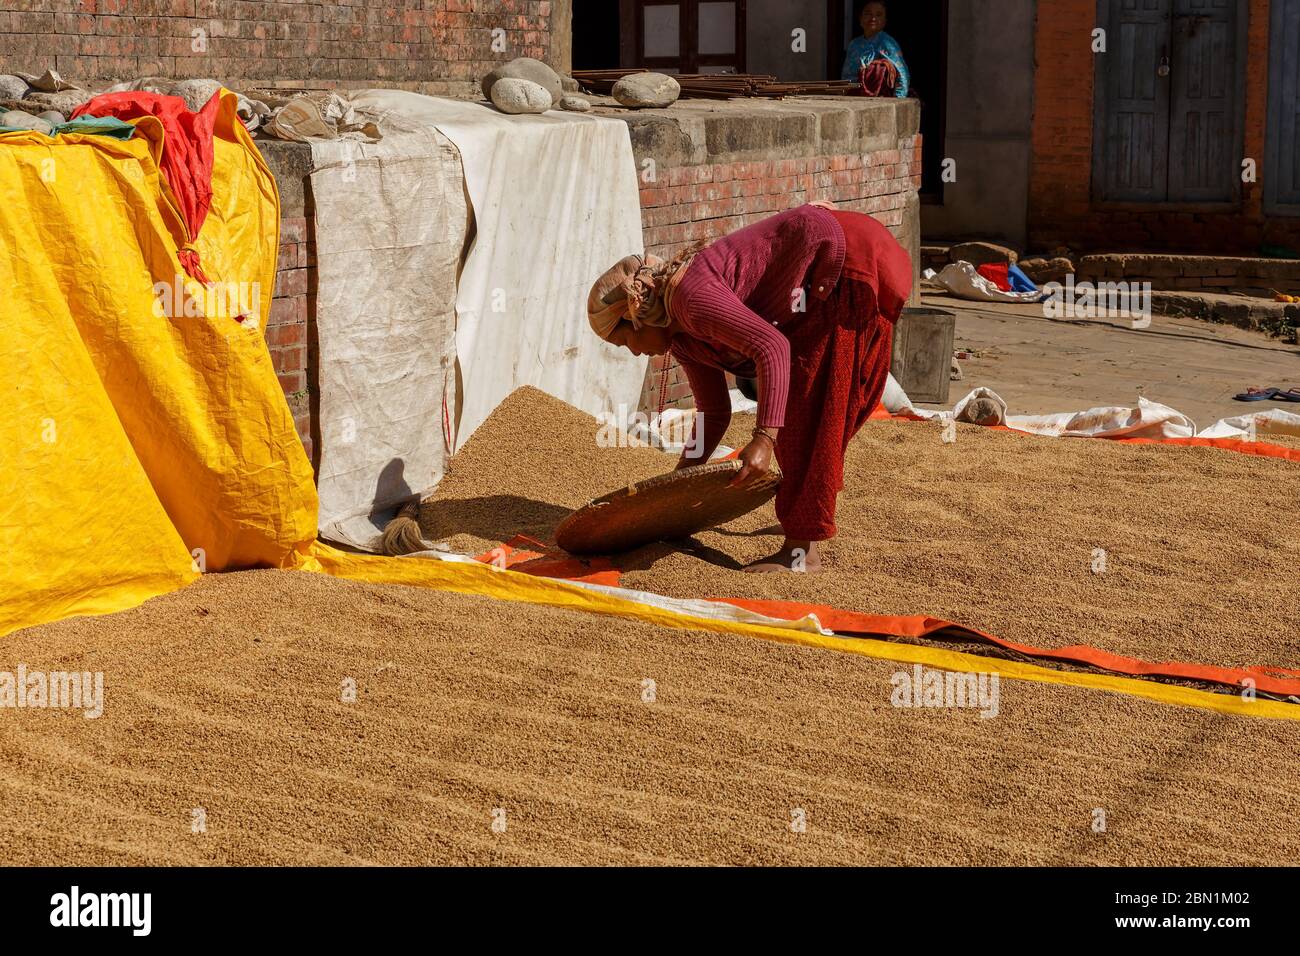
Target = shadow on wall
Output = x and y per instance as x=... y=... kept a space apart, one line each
x=391 y=485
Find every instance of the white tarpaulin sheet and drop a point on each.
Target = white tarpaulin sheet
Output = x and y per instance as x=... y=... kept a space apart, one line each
x=964 y=281
x=1274 y=421
x=1147 y=419
x=391 y=224
x=553 y=202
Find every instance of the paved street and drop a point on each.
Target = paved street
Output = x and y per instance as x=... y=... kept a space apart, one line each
x=1041 y=365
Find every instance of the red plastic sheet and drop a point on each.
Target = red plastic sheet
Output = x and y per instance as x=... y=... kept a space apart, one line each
x=187 y=154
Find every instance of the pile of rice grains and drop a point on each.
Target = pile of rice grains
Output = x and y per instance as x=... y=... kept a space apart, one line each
x=1163 y=552
x=593 y=740
x=604 y=740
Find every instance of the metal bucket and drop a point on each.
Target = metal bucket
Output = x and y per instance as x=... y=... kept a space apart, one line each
x=922 y=359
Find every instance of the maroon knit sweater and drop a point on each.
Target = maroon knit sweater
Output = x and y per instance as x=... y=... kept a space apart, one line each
x=734 y=298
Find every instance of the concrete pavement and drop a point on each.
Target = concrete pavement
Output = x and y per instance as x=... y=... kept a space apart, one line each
x=1041 y=365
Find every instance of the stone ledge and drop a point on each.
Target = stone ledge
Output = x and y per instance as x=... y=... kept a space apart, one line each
x=1244 y=312
x=1176 y=271
x=693 y=132
x=698 y=132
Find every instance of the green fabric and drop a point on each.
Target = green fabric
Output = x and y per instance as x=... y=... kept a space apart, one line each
x=93 y=125
x=98 y=125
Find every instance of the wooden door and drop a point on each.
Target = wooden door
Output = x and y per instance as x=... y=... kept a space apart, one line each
x=1282 y=167
x=1204 y=155
x=1168 y=101
x=1131 y=145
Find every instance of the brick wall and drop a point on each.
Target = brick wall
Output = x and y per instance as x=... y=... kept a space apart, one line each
x=291 y=330
x=687 y=203
x=1061 y=210
x=434 y=46
x=288 y=334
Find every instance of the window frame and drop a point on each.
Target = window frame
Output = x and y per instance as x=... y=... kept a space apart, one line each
x=689 y=59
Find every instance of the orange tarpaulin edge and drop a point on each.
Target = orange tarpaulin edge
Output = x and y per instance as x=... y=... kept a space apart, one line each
x=545 y=561
x=517 y=554
x=1263 y=449
x=1271 y=680
x=1229 y=444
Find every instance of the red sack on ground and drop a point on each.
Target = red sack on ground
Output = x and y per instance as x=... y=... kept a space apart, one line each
x=186 y=157
x=996 y=272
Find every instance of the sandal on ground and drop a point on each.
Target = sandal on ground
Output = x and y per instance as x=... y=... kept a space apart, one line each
x=1262 y=395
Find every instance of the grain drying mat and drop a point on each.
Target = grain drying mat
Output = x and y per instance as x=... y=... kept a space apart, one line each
x=1195 y=548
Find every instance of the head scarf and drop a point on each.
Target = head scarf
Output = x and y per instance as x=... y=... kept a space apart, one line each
x=636 y=288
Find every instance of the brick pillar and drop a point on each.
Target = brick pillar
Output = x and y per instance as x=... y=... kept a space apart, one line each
x=287 y=329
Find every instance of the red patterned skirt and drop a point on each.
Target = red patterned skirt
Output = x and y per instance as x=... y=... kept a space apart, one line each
x=839 y=360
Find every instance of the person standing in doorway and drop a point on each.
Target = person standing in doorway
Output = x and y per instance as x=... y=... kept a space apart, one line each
x=875 y=59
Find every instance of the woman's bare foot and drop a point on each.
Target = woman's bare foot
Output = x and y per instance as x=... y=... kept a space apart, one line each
x=801 y=557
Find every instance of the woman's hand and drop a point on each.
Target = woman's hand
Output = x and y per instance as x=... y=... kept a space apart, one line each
x=755 y=460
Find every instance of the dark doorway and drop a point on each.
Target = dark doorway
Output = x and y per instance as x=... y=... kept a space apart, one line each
x=595 y=34
x=921 y=29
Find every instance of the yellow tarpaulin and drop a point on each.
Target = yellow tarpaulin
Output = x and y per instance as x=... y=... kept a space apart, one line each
x=145 y=436
x=145 y=439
